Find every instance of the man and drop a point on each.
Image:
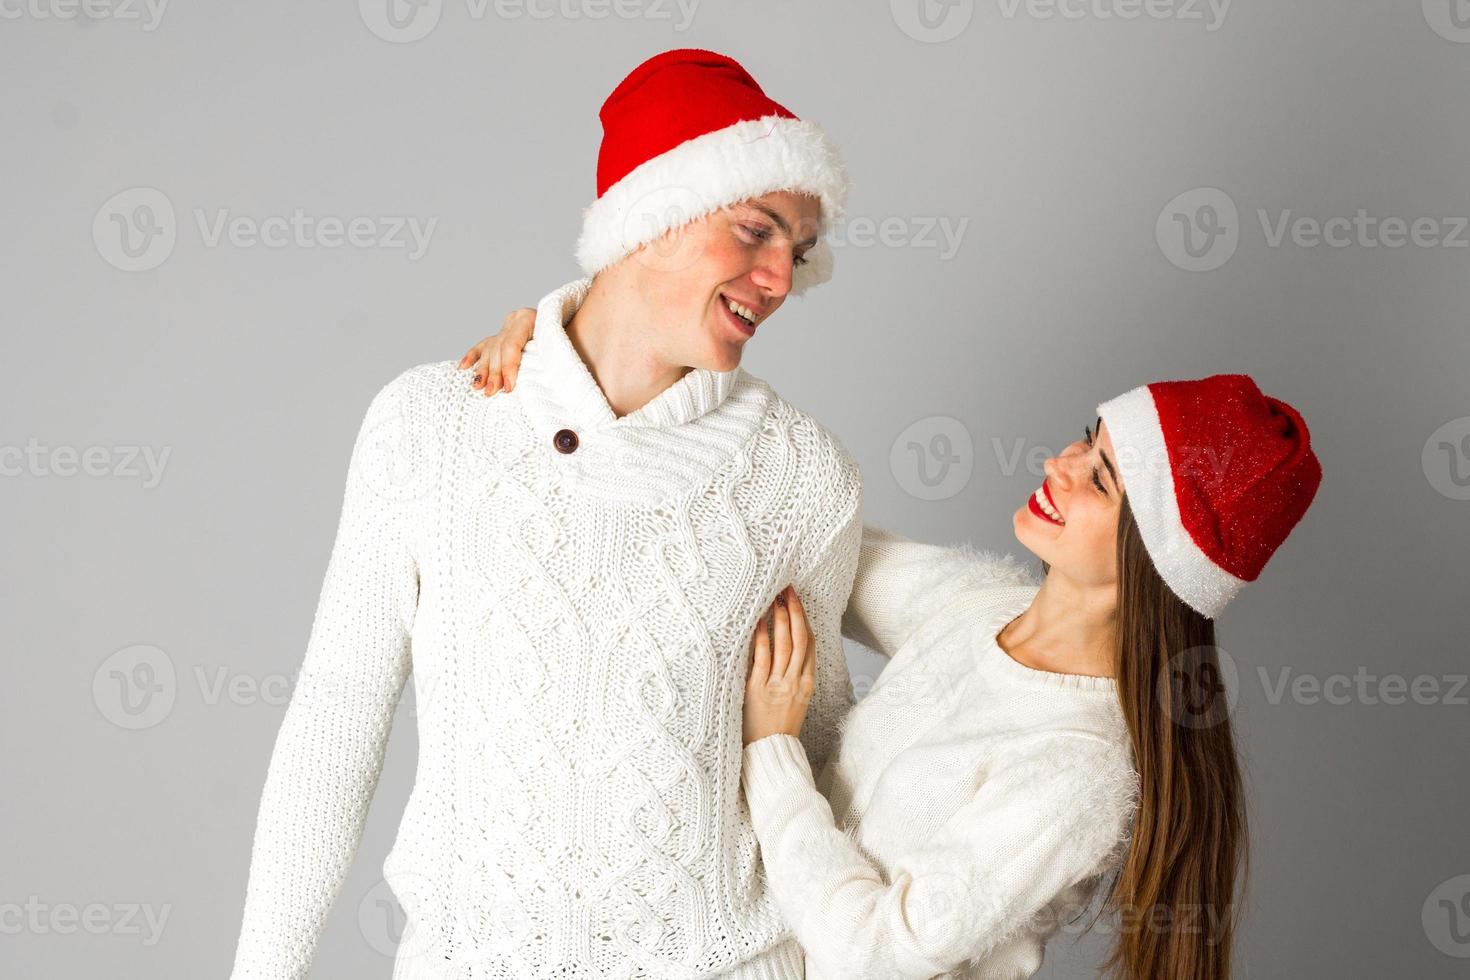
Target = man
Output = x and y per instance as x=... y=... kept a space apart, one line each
x=579 y=565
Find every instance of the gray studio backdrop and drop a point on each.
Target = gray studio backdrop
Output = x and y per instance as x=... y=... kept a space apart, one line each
x=227 y=225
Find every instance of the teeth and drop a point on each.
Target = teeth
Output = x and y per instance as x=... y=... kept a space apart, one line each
x=1046 y=506
x=743 y=312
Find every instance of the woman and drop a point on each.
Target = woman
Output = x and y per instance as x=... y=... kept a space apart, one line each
x=1026 y=739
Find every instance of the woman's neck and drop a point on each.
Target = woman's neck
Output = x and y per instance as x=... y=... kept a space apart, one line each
x=610 y=332
x=1067 y=629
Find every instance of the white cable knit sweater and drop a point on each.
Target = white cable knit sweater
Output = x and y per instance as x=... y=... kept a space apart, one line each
x=577 y=624
x=979 y=800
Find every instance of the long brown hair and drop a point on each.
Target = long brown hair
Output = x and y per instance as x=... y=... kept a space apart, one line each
x=1175 y=894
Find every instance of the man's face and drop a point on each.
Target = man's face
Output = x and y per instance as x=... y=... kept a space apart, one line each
x=715 y=280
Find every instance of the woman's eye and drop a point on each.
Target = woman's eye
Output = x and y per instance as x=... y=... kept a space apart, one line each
x=799 y=260
x=1097 y=482
x=759 y=234
x=1087 y=434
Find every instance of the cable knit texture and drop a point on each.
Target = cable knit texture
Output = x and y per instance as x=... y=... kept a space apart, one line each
x=577 y=625
x=973 y=804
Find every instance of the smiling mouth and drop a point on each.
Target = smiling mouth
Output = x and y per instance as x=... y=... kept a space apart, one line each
x=1040 y=504
x=741 y=312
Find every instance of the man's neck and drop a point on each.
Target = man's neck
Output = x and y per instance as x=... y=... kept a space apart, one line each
x=609 y=332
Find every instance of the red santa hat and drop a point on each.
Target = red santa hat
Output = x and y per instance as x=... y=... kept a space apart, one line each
x=689 y=132
x=1216 y=474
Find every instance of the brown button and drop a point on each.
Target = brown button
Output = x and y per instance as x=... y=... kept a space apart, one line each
x=565 y=441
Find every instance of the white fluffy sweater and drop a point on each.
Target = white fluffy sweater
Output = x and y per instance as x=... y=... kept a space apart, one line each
x=577 y=625
x=977 y=801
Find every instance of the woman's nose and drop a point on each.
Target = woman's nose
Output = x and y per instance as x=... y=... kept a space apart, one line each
x=1059 y=469
x=1055 y=471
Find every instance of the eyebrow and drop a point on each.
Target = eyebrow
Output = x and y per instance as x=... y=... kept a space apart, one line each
x=781 y=223
x=1106 y=462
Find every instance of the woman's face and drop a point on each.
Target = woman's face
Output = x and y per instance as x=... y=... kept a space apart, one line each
x=744 y=255
x=1071 y=521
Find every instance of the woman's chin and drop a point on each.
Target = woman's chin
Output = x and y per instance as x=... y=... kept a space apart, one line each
x=1021 y=527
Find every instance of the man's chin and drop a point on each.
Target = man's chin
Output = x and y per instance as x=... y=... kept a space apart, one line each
x=720 y=355
x=727 y=361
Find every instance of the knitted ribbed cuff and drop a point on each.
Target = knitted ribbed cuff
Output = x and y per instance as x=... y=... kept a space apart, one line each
x=772 y=764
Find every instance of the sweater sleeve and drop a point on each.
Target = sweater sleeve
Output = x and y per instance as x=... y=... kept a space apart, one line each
x=823 y=594
x=901 y=584
x=329 y=750
x=1049 y=819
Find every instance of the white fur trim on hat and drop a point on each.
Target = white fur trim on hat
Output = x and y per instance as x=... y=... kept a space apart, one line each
x=1142 y=458
x=714 y=171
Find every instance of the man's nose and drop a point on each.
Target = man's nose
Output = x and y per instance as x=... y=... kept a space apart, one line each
x=773 y=274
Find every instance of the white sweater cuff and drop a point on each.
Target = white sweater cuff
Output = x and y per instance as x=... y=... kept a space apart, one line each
x=773 y=764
